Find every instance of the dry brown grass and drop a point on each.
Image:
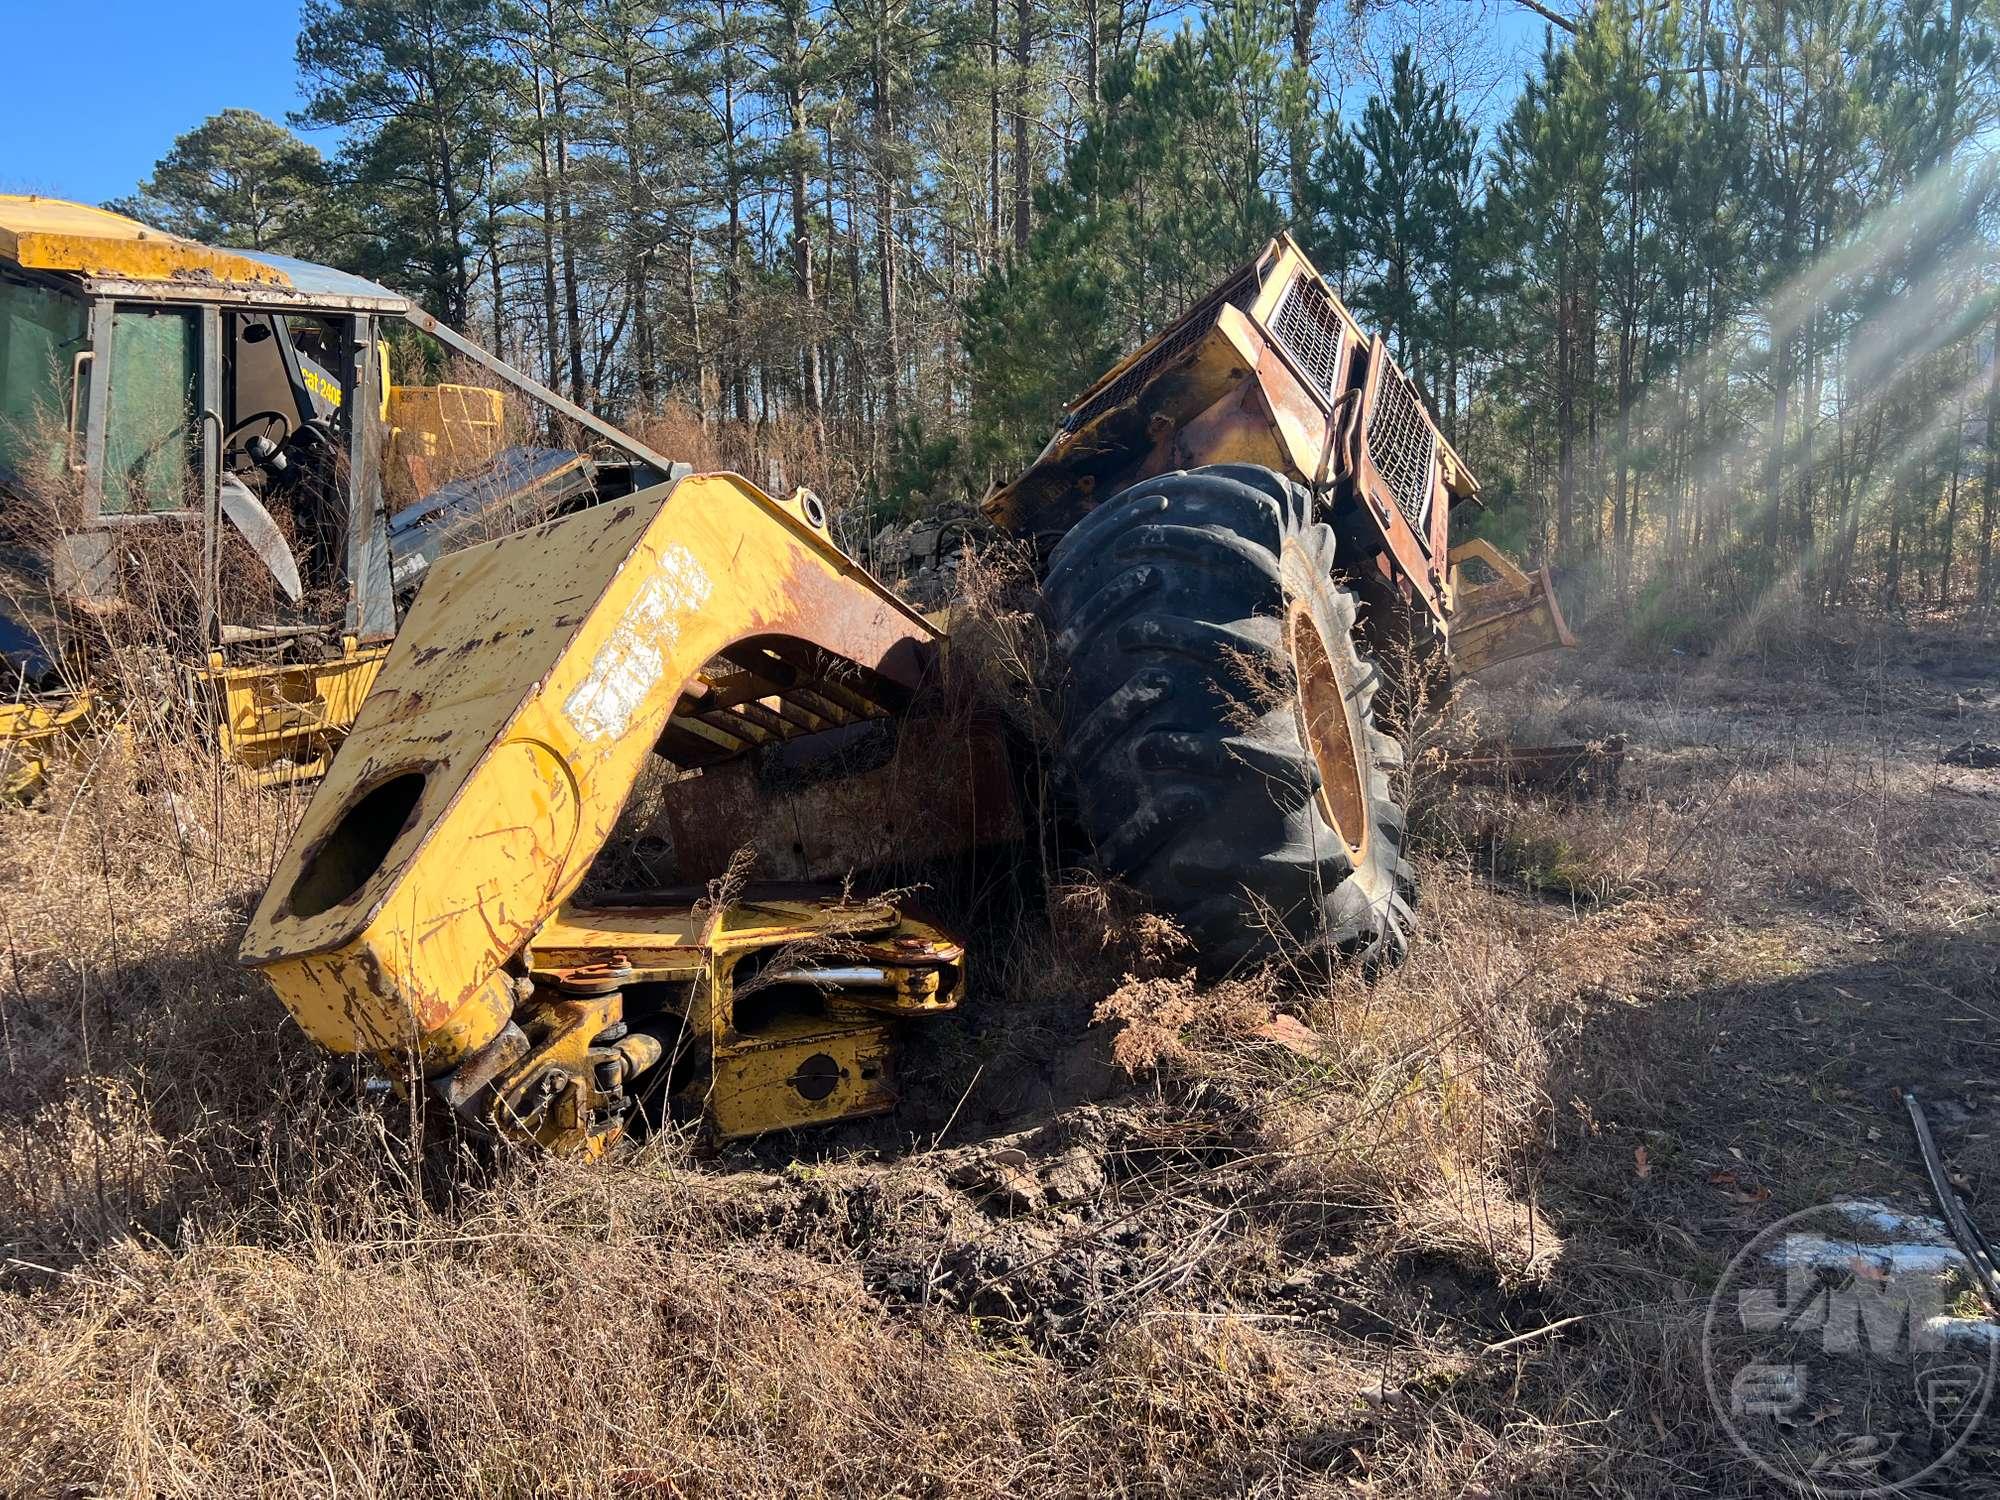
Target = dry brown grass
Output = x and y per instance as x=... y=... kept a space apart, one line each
x=778 y=455
x=1260 y=1259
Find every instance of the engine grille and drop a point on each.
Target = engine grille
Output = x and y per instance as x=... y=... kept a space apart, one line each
x=1310 y=331
x=1403 y=445
x=1240 y=291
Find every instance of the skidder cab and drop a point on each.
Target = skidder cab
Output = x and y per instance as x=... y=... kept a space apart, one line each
x=233 y=410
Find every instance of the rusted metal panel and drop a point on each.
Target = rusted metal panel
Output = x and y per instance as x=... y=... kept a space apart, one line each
x=787 y=993
x=806 y=1077
x=30 y=731
x=279 y=725
x=1516 y=615
x=48 y=234
x=1269 y=369
x=1417 y=556
x=1593 y=766
x=786 y=1053
x=1262 y=412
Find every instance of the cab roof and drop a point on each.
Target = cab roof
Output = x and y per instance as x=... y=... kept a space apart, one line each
x=96 y=245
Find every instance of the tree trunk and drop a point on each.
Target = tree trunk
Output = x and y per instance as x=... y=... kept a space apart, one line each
x=459 y=294
x=572 y=310
x=802 y=247
x=552 y=331
x=1892 y=578
x=885 y=239
x=1774 y=479
x=993 y=128
x=1989 y=491
x=1023 y=10
x=1091 y=63
x=1623 y=501
x=1305 y=15
x=1565 y=431
x=857 y=361
x=829 y=356
x=639 y=252
x=732 y=187
x=1951 y=504
x=499 y=299
x=1838 y=564
x=1807 y=541
x=693 y=306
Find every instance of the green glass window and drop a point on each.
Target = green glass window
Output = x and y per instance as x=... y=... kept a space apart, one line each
x=149 y=435
x=41 y=332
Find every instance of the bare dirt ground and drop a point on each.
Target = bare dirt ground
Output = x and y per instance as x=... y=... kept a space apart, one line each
x=1451 y=1229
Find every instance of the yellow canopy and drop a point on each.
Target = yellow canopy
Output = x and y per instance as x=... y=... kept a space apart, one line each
x=48 y=234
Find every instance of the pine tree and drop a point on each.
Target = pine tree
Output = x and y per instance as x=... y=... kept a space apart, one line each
x=238 y=179
x=413 y=83
x=1394 y=205
x=1712 y=317
x=1166 y=193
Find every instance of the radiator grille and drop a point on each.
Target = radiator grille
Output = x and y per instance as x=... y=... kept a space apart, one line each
x=1402 y=444
x=1178 y=339
x=1310 y=331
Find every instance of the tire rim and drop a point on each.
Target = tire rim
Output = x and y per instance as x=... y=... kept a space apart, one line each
x=1326 y=716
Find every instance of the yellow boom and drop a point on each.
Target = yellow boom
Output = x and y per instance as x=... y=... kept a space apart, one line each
x=420 y=914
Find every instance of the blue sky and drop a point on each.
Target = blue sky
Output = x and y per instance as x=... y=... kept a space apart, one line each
x=95 y=95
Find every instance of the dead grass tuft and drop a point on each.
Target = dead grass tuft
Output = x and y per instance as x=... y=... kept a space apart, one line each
x=1167 y=1020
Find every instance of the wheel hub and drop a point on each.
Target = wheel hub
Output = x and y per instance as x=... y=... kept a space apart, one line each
x=1333 y=737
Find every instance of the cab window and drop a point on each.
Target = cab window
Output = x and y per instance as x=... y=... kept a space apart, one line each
x=41 y=333
x=150 y=454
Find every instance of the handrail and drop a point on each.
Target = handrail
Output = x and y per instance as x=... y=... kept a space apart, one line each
x=83 y=357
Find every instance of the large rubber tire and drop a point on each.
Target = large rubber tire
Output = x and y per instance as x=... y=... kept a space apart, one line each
x=1177 y=608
